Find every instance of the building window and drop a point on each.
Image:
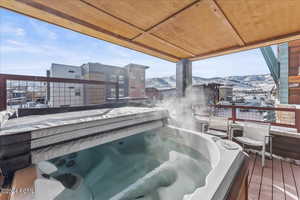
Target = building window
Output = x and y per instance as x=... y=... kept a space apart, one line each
x=77 y=92
x=71 y=71
x=121 y=92
x=121 y=79
x=113 y=78
x=113 y=92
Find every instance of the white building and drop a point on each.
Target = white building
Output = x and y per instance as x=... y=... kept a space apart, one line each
x=66 y=94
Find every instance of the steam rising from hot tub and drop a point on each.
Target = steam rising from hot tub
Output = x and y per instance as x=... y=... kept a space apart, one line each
x=182 y=109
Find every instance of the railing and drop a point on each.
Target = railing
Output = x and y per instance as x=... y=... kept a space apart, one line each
x=285 y=117
x=20 y=91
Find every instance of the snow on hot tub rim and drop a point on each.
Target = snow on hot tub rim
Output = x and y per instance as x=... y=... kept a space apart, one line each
x=224 y=164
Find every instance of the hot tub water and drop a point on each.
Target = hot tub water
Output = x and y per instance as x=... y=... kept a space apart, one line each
x=147 y=166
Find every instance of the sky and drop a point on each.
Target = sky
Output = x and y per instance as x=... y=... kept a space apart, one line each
x=29 y=46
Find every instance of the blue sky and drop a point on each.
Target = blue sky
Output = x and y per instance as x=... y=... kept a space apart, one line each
x=29 y=46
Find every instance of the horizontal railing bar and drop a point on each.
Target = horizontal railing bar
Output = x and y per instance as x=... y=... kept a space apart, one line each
x=257 y=108
x=52 y=79
x=272 y=123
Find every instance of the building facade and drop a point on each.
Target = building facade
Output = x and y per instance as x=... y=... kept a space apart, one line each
x=131 y=83
x=136 y=80
x=153 y=94
x=294 y=72
x=66 y=94
x=289 y=60
x=108 y=73
x=225 y=93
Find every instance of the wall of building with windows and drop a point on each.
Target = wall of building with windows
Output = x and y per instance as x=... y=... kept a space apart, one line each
x=66 y=94
x=131 y=79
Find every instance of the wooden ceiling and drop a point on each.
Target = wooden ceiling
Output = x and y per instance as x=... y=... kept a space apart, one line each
x=173 y=29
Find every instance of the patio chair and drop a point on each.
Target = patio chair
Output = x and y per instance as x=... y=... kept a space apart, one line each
x=256 y=135
x=217 y=126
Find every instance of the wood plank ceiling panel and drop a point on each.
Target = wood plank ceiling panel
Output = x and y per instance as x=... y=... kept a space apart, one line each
x=91 y=15
x=142 y=13
x=198 y=29
x=49 y=17
x=259 y=20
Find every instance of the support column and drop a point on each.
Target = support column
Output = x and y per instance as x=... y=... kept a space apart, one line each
x=183 y=76
x=283 y=58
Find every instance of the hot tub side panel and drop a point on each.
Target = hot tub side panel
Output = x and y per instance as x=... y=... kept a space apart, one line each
x=239 y=187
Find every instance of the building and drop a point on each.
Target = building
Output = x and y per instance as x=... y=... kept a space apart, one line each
x=206 y=93
x=226 y=93
x=289 y=60
x=108 y=73
x=131 y=83
x=66 y=94
x=136 y=80
x=167 y=92
x=294 y=72
x=153 y=94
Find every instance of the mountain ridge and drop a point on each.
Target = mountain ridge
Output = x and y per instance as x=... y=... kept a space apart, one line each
x=252 y=82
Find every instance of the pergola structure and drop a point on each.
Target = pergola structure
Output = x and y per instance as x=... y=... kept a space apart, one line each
x=173 y=29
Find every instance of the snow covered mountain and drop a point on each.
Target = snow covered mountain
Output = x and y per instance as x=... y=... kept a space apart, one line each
x=264 y=82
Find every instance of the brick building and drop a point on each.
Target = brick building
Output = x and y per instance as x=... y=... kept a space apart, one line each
x=294 y=72
x=136 y=80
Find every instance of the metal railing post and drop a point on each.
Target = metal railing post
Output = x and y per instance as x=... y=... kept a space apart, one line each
x=48 y=87
x=117 y=89
x=3 y=93
x=233 y=110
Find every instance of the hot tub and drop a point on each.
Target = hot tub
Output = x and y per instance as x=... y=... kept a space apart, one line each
x=168 y=163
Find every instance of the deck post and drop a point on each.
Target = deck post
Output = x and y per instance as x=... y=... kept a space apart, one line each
x=3 y=97
x=183 y=76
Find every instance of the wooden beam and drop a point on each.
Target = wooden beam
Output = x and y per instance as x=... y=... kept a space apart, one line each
x=172 y=16
x=220 y=13
x=165 y=42
x=294 y=79
x=263 y=43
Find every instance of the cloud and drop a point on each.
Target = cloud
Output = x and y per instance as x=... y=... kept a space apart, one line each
x=8 y=29
x=15 y=42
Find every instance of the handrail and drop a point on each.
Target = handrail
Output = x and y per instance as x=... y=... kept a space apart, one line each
x=52 y=79
x=235 y=118
x=13 y=77
x=257 y=108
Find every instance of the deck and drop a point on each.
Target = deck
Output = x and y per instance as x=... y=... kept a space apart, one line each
x=278 y=180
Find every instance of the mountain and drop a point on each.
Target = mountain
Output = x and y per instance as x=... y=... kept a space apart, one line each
x=264 y=82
